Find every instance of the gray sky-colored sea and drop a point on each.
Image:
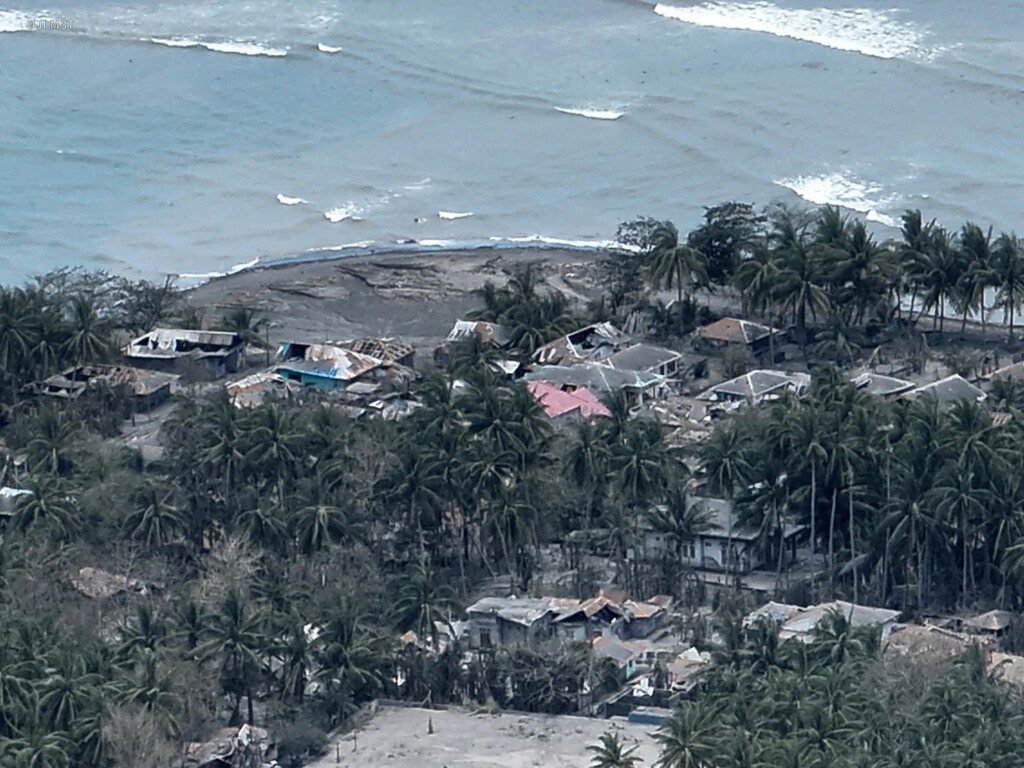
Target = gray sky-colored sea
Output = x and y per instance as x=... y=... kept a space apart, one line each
x=195 y=137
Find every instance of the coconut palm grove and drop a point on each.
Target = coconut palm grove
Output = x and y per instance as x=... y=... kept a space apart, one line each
x=265 y=566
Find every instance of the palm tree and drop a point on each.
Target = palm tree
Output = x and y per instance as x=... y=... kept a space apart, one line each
x=318 y=524
x=424 y=603
x=937 y=273
x=273 y=438
x=247 y=323
x=756 y=280
x=156 y=520
x=611 y=752
x=88 y=339
x=235 y=639
x=675 y=264
x=688 y=739
x=1008 y=264
x=799 y=281
x=54 y=434
x=293 y=645
x=67 y=692
x=39 y=749
x=979 y=273
x=52 y=504
x=350 y=659
x=960 y=500
x=587 y=461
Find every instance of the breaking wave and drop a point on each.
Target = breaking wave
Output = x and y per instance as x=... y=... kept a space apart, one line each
x=285 y=200
x=14 y=21
x=222 y=46
x=593 y=114
x=860 y=30
x=203 y=276
x=452 y=215
x=845 y=192
x=328 y=48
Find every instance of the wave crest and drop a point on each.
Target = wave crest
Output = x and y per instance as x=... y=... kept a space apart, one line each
x=452 y=215
x=593 y=114
x=285 y=200
x=222 y=46
x=860 y=30
x=845 y=191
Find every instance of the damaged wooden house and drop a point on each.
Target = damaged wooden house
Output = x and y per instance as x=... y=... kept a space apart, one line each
x=193 y=353
x=149 y=388
x=335 y=368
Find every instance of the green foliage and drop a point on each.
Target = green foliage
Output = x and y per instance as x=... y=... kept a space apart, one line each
x=737 y=360
x=833 y=702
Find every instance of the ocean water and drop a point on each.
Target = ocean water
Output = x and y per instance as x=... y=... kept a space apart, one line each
x=197 y=137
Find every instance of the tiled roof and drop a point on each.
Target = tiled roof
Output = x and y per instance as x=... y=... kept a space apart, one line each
x=735 y=331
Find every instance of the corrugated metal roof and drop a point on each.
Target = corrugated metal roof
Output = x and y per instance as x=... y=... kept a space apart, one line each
x=492 y=333
x=326 y=361
x=170 y=342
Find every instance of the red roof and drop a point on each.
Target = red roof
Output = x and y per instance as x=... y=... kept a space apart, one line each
x=556 y=402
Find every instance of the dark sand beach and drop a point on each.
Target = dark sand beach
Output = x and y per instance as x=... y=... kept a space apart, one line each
x=416 y=296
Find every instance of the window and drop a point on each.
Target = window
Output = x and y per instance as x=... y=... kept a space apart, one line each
x=485 y=638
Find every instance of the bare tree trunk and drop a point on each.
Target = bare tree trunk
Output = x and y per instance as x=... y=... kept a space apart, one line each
x=853 y=540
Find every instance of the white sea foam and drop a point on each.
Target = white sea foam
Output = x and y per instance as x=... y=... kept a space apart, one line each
x=543 y=240
x=844 y=190
x=435 y=243
x=328 y=48
x=452 y=215
x=211 y=275
x=355 y=211
x=594 y=114
x=421 y=184
x=285 y=200
x=14 y=21
x=867 y=31
x=361 y=244
x=222 y=46
x=348 y=212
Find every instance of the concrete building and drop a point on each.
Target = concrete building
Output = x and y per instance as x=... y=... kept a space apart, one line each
x=731 y=331
x=599 y=379
x=757 y=386
x=504 y=621
x=724 y=544
x=563 y=407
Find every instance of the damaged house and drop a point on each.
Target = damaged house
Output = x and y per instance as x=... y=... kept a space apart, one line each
x=733 y=332
x=561 y=407
x=587 y=345
x=334 y=368
x=201 y=354
x=501 y=621
x=639 y=387
x=149 y=388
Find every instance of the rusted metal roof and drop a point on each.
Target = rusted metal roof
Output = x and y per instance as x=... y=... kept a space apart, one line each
x=388 y=349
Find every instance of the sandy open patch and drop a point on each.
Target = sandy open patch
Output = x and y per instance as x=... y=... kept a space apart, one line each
x=397 y=737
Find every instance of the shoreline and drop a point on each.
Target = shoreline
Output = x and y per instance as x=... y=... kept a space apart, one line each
x=409 y=248
x=415 y=294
